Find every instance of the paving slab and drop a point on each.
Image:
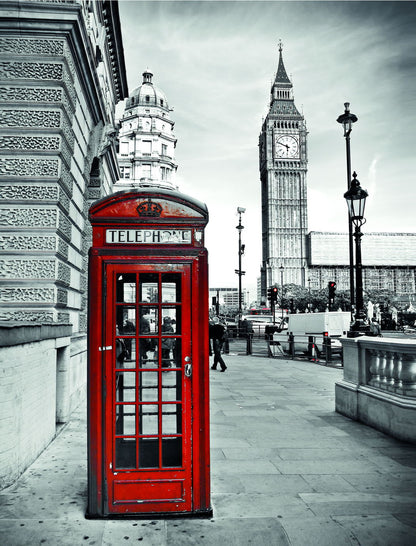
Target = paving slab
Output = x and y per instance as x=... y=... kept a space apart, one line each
x=380 y=530
x=286 y=469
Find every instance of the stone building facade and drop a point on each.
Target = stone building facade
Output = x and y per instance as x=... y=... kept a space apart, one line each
x=146 y=139
x=61 y=74
x=389 y=261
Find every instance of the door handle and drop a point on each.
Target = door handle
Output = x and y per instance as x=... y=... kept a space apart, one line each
x=188 y=366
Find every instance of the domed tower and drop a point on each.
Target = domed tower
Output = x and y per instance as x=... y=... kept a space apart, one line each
x=146 y=141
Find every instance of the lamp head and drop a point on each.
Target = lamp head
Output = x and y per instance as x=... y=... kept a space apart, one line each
x=347 y=119
x=356 y=197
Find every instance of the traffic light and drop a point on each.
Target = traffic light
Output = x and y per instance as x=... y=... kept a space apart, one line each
x=332 y=286
x=269 y=294
x=274 y=294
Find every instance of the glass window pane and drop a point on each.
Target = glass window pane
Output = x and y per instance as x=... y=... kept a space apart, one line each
x=148 y=353
x=176 y=358
x=148 y=320
x=171 y=287
x=125 y=320
x=168 y=343
x=172 y=386
x=148 y=386
x=148 y=287
x=148 y=452
x=125 y=453
x=125 y=353
x=125 y=419
x=171 y=419
x=125 y=387
x=170 y=320
x=172 y=316
x=126 y=288
x=148 y=419
x=172 y=452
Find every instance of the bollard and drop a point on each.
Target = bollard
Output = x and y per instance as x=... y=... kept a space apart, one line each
x=292 y=345
x=314 y=352
x=328 y=348
x=310 y=347
x=226 y=346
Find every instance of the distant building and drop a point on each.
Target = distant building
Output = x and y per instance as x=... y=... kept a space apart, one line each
x=314 y=259
x=146 y=140
x=228 y=296
x=389 y=261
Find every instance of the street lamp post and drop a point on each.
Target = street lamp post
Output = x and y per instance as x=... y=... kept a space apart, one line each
x=239 y=272
x=281 y=284
x=356 y=197
x=347 y=119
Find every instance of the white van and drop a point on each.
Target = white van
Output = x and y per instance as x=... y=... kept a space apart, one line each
x=303 y=326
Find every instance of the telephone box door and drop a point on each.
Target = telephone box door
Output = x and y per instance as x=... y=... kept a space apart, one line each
x=148 y=413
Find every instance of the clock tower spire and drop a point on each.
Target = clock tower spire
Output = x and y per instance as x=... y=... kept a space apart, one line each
x=283 y=167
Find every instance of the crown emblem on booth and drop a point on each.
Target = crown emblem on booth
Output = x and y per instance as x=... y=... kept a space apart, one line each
x=149 y=208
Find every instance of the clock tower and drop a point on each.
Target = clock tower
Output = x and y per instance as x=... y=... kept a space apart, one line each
x=283 y=167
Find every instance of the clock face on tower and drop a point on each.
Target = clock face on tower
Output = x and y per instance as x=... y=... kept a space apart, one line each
x=286 y=146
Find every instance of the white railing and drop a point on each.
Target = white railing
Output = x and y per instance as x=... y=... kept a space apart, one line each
x=379 y=384
x=392 y=369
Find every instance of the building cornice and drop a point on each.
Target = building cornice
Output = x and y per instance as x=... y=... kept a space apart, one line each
x=23 y=17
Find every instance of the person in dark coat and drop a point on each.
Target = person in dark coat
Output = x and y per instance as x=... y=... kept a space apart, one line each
x=217 y=334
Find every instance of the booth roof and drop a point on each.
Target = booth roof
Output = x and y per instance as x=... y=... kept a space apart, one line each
x=154 y=192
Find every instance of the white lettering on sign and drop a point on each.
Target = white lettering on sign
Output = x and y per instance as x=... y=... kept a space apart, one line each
x=148 y=236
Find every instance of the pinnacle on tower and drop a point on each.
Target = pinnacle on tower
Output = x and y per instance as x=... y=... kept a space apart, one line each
x=281 y=75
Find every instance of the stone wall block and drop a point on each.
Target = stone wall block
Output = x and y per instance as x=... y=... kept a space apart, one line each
x=26 y=242
x=27 y=268
x=27 y=294
x=29 y=192
x=29 y=217
x=28 y=167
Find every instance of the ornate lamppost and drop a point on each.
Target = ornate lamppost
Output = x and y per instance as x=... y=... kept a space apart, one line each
x=239 y=272
x=356 y=197
x=347 y=119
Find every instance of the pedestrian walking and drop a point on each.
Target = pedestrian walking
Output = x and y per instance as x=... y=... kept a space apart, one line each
x=217 y=334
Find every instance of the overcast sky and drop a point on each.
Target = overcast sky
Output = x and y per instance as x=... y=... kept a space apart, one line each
x=215 y=62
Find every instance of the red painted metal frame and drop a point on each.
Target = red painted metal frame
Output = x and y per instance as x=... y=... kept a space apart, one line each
x=120 y=211
x=170 y=477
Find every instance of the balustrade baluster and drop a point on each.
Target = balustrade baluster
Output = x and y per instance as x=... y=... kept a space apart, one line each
x=382 y=369
x=391 y=358
x=397 y=371
x=374 y=368
x=407 y=375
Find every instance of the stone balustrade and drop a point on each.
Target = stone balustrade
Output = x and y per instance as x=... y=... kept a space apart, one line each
x=379 y=384
x=392 y=370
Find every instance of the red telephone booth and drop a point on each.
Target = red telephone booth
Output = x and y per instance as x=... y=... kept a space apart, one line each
x=148 y=399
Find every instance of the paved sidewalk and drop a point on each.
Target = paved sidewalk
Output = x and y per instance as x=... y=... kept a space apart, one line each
x=286 y=470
